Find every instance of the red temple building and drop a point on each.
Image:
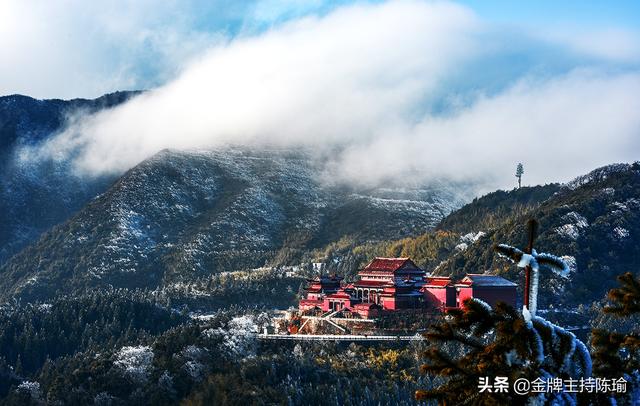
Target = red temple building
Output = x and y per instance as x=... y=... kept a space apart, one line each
x=393 y=284
x=489 y=288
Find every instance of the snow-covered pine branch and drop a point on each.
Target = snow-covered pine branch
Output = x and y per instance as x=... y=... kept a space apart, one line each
x=535 y=261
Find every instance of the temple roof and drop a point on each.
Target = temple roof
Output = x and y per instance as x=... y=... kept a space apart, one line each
x=438 y=281
x=485 y=280
x=340 y=295
x=389 y=264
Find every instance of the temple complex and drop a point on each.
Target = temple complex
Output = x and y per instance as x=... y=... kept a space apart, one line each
x=396 y=284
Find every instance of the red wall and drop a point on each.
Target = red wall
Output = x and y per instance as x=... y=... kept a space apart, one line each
x=389 y=303
x=436 y=297
x=463 y=294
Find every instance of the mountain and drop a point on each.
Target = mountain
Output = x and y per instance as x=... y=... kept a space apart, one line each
x=25 y=120
x=454 y=233
x=592 y=222
x=179 y=216
x=35 y=195
x=492 y=209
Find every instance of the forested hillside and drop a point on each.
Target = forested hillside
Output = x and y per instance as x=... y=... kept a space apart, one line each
x=181 y=216
x=36 y=194
x=493 y=209
x=192 y=340
x=590 y=222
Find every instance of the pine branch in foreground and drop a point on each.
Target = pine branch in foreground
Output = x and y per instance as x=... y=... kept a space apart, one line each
x=616 y=353
x=480 y=342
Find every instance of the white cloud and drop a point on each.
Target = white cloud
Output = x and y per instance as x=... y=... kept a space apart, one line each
x=76 y=48
x=396 y=89
x=615 y=44
x=559 y=128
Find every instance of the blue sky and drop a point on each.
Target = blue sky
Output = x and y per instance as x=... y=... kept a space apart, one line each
x=74 y=48
x=623 y=13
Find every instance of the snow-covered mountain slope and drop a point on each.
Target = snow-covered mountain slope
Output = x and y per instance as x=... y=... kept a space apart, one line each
x=182 y=215
x=36 y=194
x=593 y=222
x=25 y=120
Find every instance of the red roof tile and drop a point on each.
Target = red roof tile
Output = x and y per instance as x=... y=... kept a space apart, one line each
x=486 y=280
x=438 y=281
x=385 y=264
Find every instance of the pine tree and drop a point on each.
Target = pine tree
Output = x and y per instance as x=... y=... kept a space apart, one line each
x=519 y=173
x=479 y=342
x=18 y=367
x=532 y=262
x=617 y=354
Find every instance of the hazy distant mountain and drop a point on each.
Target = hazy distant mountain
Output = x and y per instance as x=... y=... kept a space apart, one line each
x=36 y=195
x=182 y=215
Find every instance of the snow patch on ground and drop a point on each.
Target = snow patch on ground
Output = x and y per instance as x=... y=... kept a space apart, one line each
x=32 y=388
x=135 y=361
x=620 y=233
x=469 y=239
x=576 y=223
x=597 y=175
x=472 y=237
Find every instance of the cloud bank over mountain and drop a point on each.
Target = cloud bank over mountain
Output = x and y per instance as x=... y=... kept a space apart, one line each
x=388 y=92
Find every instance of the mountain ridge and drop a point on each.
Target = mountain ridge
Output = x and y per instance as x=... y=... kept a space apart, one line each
x=590 y=221
x=37 y=194
x=181 y=215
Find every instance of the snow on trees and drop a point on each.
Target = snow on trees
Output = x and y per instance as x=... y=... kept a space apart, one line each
x=535 y=261
x=479 y=341
x=617 y=352
x=238 y=338
x=532 y=262
x=135 y=361
x=519 y=173
x=32 y=389
x=502 y=342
